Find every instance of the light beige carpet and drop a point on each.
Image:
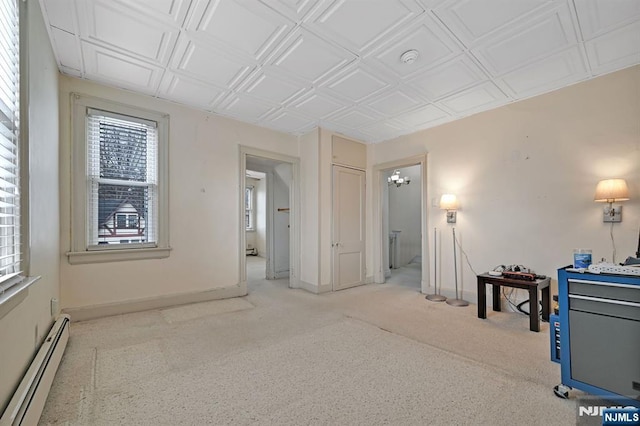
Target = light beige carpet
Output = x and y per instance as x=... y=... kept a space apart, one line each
x=378 y=354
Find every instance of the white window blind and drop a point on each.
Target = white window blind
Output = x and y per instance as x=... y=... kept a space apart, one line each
x=122 y=169
x=10 y=252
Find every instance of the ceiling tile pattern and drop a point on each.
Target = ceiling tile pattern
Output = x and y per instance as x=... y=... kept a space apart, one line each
x=292 y=65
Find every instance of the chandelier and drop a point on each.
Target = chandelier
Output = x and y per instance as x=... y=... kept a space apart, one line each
x=398 y=181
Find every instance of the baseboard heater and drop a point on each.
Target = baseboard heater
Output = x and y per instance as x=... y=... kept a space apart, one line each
x=25 y=408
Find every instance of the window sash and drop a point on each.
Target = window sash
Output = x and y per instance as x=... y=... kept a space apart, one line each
x=10 y=234
x=122 y=159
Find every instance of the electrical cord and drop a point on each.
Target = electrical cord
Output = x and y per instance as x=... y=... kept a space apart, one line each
x=507 y=297
x=613 y=244
x=518 y=307
x=465 y=256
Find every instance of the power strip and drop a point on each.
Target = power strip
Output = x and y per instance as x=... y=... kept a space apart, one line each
x=611 y=268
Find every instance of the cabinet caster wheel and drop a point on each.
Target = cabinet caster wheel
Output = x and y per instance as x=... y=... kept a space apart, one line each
x=561 y=391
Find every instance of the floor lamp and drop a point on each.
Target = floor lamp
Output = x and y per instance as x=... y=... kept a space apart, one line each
x=435 y=297
x=457 y=301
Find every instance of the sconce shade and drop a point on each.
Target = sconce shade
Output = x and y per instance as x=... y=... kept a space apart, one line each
x=448 y=202
x=611 y=190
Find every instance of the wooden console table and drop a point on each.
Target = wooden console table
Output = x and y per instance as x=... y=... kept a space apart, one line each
x=531 y=286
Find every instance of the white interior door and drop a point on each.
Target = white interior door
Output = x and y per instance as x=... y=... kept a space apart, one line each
x=280 y=253
x=348 y=227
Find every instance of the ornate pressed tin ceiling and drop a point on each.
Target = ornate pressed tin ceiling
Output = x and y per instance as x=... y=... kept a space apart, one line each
x=293 y=65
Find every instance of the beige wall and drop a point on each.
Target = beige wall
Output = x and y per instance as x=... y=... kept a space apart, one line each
x=525 y=175
x=204 y=212
x=27 y=325
x=325 y=202
x=310 y=215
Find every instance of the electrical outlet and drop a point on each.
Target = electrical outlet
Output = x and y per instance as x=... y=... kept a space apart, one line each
x=54 y=307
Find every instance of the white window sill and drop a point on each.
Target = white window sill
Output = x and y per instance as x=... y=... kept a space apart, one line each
x=120 y=255
x=15 y=294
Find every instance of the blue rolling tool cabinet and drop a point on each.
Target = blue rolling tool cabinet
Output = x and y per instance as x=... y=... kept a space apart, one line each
x=599 y=329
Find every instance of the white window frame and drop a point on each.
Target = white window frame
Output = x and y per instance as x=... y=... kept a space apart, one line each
x=251 y=209
x=81 y=250
x=14 y=286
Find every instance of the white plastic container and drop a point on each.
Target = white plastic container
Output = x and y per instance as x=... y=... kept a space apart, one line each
x=581 y=258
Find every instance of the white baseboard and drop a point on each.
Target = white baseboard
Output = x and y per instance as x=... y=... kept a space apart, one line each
x=108 y=309
x=311 y=288
x=281 y=274
x=325 y=288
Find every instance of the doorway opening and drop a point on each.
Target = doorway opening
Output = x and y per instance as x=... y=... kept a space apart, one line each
x=255 y=220
x=401 y=249
x=402 y=223
x=269 y=234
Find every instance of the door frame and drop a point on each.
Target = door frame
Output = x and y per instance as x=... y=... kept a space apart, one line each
x=378 y=237
x=294 y=213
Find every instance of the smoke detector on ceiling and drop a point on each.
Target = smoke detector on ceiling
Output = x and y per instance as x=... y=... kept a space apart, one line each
x=409 y=57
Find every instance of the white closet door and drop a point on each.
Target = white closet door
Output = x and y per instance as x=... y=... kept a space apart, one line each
x=348 y=227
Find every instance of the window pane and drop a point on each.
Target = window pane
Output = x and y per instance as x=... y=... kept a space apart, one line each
x=132 y=221
x=123 y=151
x=122 y=213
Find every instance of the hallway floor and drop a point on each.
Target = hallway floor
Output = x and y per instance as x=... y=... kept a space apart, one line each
x=409 y=275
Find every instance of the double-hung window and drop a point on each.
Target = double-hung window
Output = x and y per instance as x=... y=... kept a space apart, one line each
x=249 y=211
x=120 y=172
x=122 y=179
x=12 y=251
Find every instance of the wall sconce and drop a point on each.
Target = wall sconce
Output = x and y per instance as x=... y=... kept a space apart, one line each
x=449 y=202
x=610 y=191
x=398 y=181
